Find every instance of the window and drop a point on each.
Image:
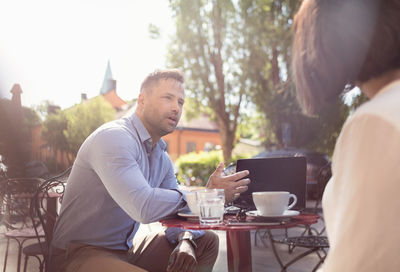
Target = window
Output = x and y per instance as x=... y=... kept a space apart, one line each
x=208 y=146
x=190 y=147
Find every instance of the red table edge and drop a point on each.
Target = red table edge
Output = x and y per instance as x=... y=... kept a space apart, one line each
x=304 y=218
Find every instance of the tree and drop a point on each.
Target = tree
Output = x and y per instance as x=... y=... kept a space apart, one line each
x=53 y=130
x=46 y=107
x=207 y=47
x=268 y=40
x=268 y=37
x=84 y=118
x=254 y=126
x=236 y=52
x=357 y=100
x=65 y=130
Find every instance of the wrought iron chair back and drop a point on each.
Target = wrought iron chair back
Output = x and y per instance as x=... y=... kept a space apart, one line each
x=312 y=239
x=324 y=175
x=15 y=201
x=16 y=194
x=44 y=218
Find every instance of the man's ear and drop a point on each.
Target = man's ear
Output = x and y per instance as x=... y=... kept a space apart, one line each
x=140 y=101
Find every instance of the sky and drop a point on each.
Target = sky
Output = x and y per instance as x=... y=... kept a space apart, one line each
x=58 y=49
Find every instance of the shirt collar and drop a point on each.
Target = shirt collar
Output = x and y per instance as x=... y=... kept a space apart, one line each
x=144 y=135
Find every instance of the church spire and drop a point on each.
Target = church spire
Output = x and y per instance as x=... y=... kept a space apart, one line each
x=109 y=83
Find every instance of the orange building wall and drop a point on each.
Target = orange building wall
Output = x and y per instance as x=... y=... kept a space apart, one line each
x=184 y=136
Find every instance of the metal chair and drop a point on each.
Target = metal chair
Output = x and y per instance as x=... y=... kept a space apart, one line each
x=16 y=196
x=311 y=238
x=43 y=213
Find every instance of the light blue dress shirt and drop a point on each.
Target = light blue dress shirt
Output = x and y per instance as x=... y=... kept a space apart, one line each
x=117 y=182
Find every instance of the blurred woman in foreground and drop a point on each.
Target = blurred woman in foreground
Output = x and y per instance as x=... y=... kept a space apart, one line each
x=339 y=44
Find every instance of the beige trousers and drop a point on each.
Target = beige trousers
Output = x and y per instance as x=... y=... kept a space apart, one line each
x=150 y=253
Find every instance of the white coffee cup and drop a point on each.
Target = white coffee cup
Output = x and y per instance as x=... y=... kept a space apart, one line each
x=191 y=199
x=273 y=203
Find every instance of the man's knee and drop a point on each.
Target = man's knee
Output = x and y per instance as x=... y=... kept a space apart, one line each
x=207 y=251
x=107 y=263
x=212 y=238
x=211 y=242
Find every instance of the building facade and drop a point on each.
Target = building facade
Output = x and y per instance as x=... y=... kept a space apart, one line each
x=194 y=135
x=197 y=134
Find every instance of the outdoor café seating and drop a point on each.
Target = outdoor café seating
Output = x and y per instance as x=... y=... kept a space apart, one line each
x=15 y=199
x=43 y=213
x=311 y=238
x=28 y=211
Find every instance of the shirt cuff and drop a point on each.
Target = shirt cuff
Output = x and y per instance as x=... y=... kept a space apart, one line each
x=184 y=203
x=172 y=234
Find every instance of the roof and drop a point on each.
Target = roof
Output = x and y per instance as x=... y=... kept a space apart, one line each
x=115 y=100
x=128 y=111
x=202 y=122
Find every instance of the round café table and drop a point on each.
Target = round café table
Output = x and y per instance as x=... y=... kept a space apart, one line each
x=238 y=241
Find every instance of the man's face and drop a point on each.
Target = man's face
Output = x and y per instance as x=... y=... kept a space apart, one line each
x=161 y=107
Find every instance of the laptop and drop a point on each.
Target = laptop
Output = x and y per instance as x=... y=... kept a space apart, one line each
x=274 y=174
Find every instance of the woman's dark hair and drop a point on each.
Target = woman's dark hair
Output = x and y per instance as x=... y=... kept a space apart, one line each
x=158 y=74
x=339 y=42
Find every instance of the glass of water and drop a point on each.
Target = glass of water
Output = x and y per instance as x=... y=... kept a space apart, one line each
x=211 y=205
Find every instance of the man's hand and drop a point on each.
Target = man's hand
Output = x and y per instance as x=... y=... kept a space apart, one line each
x=233 y=184
x=183 y=258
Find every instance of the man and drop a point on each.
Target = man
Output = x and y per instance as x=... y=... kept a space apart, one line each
x=122 y=177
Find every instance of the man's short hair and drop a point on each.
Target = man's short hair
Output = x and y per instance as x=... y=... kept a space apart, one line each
x=159 y=74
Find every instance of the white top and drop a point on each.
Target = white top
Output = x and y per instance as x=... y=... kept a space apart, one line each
x=362 y=200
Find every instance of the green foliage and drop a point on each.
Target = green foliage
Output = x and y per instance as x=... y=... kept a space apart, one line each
x=30 y=118
x=46 y=107
x=208 y=47
x=357 y=100
x=84 y=118
x=190 y=113
x=66 y=130
x=53 y=130
x=254 y=126
x=154 y=31
x=269 y=39
x=319 y=133
x=196 y=168
x=236 y=54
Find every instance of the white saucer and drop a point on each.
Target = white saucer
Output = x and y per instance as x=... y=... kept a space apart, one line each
x=188 y=215
x=287 y=213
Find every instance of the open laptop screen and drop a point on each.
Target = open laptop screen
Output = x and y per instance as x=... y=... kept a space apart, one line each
x=274 y=174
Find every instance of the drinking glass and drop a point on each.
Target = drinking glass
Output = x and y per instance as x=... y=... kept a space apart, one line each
x=211 y=205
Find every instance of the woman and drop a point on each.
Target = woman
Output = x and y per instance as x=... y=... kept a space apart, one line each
x=342 y=43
